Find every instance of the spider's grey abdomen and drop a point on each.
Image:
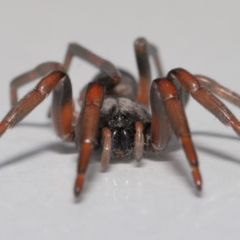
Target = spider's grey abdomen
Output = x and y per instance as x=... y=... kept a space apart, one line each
x=127 y=87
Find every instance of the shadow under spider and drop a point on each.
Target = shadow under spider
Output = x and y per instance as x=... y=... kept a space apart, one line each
x=165 y=155
x=35 y=125
x=55 y=147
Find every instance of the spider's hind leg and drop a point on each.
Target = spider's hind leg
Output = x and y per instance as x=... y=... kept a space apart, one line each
x=62 y=105
x=30 y=76
x=192 y=85
x=218 y=89
x=144 y=50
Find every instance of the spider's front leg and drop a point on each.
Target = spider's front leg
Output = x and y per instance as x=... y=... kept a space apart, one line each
x=86 y=129
x=168 y=110
x=90 y=111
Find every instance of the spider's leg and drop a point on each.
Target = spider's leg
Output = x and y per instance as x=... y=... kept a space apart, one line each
x=88 y=123
x=218 y=89
x=160 y=126
x=153 y=51
x=81 y=95
x=175 y=113
x=107 y=146
x=75 y=49
x=86 y=129
x=62 y=104
x=205 y=98
x=31 y=75
x=139 y=141
x=143 y=50
x=62 y=112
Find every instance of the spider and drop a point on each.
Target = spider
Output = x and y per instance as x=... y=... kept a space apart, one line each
x=114 y=107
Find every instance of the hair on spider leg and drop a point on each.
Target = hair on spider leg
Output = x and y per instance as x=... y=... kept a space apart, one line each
x=115 y=108
x=35 y=125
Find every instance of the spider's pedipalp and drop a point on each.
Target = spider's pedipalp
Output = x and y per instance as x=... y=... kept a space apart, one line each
x=107 y=146
x=139 y=141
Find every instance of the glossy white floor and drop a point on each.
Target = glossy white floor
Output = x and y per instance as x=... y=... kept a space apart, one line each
x=155 y=200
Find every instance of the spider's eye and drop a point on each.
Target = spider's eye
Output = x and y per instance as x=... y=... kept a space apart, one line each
x=124 y=117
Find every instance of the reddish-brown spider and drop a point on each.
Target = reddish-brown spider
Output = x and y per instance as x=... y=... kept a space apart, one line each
x=114 y=113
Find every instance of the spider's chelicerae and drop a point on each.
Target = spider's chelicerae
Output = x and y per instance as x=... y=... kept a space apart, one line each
x=114 y=107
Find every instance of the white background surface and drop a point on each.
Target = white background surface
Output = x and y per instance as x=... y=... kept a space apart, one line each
x=156 y=200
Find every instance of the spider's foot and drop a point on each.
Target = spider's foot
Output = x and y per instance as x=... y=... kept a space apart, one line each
x=78 y=184
x=197 y=178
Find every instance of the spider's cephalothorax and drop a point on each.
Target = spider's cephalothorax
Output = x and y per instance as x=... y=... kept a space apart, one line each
x=120 y=114
x=113 y=107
